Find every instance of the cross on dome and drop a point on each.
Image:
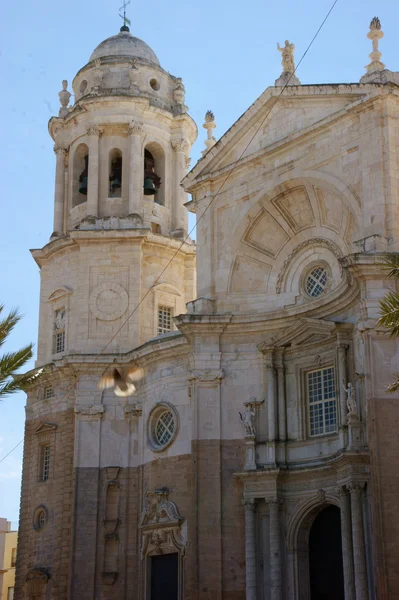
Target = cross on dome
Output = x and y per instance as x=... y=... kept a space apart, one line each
x=126 y=21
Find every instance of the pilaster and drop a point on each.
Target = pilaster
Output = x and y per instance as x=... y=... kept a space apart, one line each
x=136 y=168
x=93 y=175
x=250 y=549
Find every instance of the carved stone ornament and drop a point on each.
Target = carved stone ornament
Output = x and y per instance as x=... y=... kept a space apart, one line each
x=95 y=410
x=312 y=242
x=187 y=162
x=179 y=92
x=93 y=130
x=60 y=149
x=97 y=74
x=206 y=374
x=35 y=581
x=135 y=128
x=133 y=410
x=160 y=525
x=321 y=496
x=180 y=145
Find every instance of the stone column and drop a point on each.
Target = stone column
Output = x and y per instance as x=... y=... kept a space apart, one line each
x=271 y=408
x=359 y=550
x=179 y=198
x=342 y=368
x=250 y=549
x=136 y=169
x=93 y=174
x=282 y=410
x=275 y=549
x=347 y=548
x=59 y=191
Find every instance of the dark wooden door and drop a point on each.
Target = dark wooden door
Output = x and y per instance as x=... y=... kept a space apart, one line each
x=325 y=556
x=164 y=577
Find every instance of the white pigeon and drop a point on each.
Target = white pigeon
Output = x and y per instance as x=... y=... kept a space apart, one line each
x=122 y=380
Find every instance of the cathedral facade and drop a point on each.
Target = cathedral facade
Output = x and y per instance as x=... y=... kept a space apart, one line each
x=257 y=457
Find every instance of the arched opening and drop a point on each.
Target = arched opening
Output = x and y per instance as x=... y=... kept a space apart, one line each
x=326 y=574
x=154 y=173
x=80 y=175
x=115 y=174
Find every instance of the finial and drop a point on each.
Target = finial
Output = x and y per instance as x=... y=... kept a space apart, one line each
x=126 y=21
x=64 y=97
x=375 y=34
x=209 y=125
x=288 y=76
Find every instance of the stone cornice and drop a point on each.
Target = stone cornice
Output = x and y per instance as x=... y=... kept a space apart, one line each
x=137 y=235
x=366 y=266
x=344 y=466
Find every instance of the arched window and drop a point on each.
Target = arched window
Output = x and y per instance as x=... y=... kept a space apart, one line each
x=154 y=172
x=80 y=175
x=115 y=174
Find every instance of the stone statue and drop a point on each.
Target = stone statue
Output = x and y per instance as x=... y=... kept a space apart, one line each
x=350 y=399
x=287 y=58
x=247 y=419
x=60 y=319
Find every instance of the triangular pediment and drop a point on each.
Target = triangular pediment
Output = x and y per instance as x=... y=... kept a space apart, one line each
x=274 y=120
x=303 y=332
x=46 y=427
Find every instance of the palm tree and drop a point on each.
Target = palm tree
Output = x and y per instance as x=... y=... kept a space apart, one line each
x=390 y=310
x=10 y=362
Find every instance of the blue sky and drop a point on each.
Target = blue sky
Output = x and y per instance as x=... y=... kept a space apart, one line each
x=225 y=51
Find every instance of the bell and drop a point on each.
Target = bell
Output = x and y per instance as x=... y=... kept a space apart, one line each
x=115 y=183
x=83 y=186
x=149 y=187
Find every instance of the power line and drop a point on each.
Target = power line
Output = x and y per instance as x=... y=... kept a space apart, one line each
x=191 y=230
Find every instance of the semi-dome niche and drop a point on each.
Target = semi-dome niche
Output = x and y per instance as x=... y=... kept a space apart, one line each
x=297 y=231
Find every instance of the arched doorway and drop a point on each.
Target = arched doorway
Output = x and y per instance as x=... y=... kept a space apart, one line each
x=326 y=574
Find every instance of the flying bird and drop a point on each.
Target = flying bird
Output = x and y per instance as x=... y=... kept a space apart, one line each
x=122 y=380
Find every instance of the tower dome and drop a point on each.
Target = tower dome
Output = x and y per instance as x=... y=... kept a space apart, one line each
x=124 y=44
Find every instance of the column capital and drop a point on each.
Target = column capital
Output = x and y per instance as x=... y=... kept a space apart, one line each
x=60 y=149
x=249 y=504
x=342 y=346
x=343 y=491
x=180 y=145
x=93 y=130
x=274 y=501
x=135 y=128
x=356 y=488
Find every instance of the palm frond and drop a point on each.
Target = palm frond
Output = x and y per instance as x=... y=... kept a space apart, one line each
x=8 y=324
x=391 y=261
x=394 y=386
x=12 y=361
x=389 y=319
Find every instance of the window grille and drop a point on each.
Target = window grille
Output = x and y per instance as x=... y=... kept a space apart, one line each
x=48 y=393
x=316 y=282
x=59 y=341
x=164 y=428
x=322 y=401
x=164 y=319
x=45 y=462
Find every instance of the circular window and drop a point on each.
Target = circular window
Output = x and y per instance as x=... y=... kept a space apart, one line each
x=316 y=281
x=154 y=84
x=40 y=518
x=83 y=87
x=162 y=426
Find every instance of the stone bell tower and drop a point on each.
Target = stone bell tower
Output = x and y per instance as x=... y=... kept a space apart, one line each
x=122 y=150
